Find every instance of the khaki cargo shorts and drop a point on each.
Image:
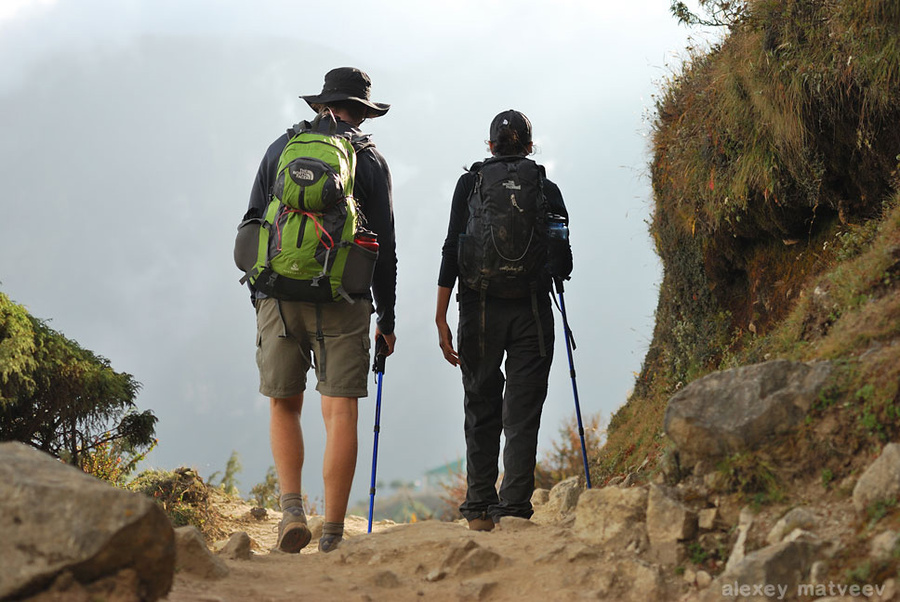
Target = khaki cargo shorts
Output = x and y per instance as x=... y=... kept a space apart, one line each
x=292 y=336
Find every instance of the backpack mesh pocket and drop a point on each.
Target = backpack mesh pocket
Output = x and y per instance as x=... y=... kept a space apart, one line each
x=359 y=269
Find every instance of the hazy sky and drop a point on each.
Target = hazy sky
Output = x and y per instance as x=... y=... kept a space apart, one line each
x=132 y=130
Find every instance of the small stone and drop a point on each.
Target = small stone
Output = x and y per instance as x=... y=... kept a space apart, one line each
x=478 y=560
x=704 y=579
x=551 y=554
x=706 y=518
x=315 y=524
x=801 y=535
x=883 y=545
x=738 y=550
x=818 y=572
x=578 y=551
x=848 y=483
x=564 y=495
x=386 y=579
x=237 y=547
x=475 y=590
x=515 y=523
x=715 y=481
x=540 y=497
x=703 y=467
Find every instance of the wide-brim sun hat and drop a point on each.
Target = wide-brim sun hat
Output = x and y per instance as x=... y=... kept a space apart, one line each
x=347 y=83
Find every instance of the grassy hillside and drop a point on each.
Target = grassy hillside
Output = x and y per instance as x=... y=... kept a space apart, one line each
x=777 y=219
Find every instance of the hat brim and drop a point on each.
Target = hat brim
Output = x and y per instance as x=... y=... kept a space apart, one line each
x=376 y=109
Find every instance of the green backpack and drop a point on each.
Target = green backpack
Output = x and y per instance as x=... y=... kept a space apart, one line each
x=309 y=245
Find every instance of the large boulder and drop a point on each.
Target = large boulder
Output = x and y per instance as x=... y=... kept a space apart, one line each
x=766 y=574
x=669 y=522
x=628 y=580
x=613 y=516
x=55 y=519
x=736 y=410
x=560 y=503
x=881 y=480
x=796 y=518
x=193 y=556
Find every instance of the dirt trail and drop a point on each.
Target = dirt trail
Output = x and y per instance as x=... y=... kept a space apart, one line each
x=429 y=560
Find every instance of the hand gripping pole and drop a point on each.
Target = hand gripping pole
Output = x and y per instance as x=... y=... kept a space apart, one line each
x=378 y=369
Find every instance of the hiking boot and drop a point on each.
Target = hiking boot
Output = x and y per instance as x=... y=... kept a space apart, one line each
x=329 y=542
x=293 y=534
x=483 y=523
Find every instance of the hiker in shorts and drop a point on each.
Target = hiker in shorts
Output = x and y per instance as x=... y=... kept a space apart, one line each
x=500 y=398
x=287 y=342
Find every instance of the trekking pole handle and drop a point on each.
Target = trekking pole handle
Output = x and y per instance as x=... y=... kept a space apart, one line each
x=559 y=284
x=567 y=331
x=380 y=355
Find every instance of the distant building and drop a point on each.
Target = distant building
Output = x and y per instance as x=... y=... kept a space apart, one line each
x=444 y=475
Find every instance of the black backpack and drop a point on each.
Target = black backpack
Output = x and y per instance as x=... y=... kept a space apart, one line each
x=503 y=252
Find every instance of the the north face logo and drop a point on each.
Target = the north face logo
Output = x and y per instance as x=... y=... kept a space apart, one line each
x=511 y=185
x=295 y=267
x=305 y=175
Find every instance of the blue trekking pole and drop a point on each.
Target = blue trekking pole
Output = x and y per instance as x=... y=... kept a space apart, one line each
x=570 y=345
x=378 y=369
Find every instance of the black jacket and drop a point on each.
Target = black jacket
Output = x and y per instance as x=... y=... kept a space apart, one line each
x=372 y=190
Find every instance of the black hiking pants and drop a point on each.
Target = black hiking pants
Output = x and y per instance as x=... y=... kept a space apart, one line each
x=495 y=403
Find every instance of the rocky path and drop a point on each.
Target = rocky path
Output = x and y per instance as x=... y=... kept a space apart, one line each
x=430 y=560
x=632 y=540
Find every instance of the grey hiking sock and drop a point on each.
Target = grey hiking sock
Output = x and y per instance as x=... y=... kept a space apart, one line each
x=291 y=500
x=333 y=529
x=332 y=535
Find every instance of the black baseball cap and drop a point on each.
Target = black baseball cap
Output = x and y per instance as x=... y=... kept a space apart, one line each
x=515 y=121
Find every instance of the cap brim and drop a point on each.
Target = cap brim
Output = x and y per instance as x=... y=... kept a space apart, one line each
x=376 y=109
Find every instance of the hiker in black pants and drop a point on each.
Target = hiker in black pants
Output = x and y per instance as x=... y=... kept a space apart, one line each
x=516 y=324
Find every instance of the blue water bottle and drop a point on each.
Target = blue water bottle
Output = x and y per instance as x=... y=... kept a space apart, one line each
x=559 y=253
x=557 y=228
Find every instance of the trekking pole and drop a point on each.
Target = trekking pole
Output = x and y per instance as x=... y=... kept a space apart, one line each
x=570 y=345
x=378 y=369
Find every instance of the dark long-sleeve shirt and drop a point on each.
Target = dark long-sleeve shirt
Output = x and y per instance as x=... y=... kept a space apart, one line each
x=459 y=217
x=372 y=191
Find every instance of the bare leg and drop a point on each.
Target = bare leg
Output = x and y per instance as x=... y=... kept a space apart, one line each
x=286 y=438
x=340 y=416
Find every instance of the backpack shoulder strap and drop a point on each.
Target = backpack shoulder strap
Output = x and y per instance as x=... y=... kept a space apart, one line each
x=299 y=128
x=540 y=168
x=324 y=123
x=361 y=142
x=475 y=170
